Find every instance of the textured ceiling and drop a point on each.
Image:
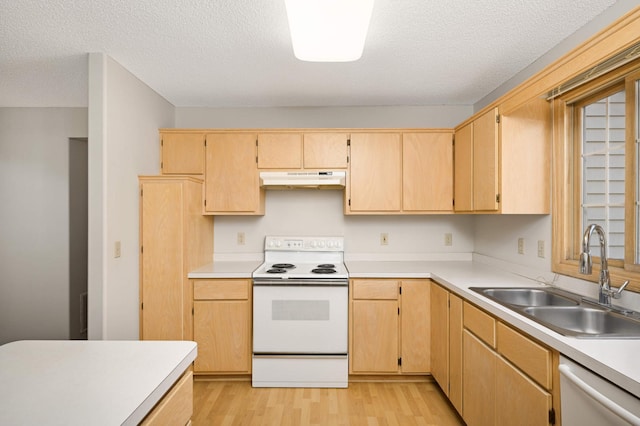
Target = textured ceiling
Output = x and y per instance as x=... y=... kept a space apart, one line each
x=238 y=52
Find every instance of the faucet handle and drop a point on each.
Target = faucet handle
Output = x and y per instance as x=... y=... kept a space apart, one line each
x=618 y=293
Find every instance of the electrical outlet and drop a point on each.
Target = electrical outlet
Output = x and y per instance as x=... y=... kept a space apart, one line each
x=117 y=250
x=384 y=239
x=448 y=239
x=541 y=248
x=240 y=238
x=520 y=245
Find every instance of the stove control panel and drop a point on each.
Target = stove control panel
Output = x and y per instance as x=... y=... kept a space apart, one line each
x=273 y=243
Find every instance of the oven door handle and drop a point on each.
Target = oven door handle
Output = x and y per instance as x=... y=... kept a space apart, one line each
x=302 y=283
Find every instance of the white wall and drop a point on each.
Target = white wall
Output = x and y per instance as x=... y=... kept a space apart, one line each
x=125 y=115
x=34 y=220
x=444 y=116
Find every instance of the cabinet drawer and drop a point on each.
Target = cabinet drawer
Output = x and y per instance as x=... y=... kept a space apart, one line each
x=221 y=289
x=375 y=289
x=176 y=407
x=527 y=355
x=480 y=323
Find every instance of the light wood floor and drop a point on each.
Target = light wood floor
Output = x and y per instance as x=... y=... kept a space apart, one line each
x=237 y=403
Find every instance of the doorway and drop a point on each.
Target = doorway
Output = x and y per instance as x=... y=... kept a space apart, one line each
x=78 y=237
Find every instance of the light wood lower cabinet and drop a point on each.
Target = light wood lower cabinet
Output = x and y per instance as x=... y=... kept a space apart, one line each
x=390 y=327
x=222 y=325
x=176 y=407
x=507 y=376
x=446 y=343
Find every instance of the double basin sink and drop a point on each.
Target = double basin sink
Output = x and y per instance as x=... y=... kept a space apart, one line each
x=566 y=313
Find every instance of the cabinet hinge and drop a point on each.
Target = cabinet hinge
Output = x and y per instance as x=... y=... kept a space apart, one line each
x=141 y=191
x=349 y=201
x=161 y=165
x=205 y=202
x=192 y=312
x=552 y=416
x=142 y=306
x=498 y=118
x=400 y=362
x=400 y=289
x=348 y=141
x=398 y=311
x=161 y=142
x=141 y=249
x=453 y=202
x=205 y=142
x=497 y=198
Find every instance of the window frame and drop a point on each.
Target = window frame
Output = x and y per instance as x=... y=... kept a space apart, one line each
x=566 y=220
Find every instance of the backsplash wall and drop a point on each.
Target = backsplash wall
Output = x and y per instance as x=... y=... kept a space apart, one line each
x=320 y=212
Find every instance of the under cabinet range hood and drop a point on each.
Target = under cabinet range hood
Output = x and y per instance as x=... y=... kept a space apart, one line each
x=303 y=180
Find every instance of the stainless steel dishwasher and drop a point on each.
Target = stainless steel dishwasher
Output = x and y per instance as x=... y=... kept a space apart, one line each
x=588 y=399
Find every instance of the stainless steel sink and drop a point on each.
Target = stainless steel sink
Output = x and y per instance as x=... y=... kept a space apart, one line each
x=585 y=321
x=522 y=296
x=565 y=312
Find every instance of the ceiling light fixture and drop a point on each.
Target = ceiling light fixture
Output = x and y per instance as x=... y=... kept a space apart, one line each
x=328 y=30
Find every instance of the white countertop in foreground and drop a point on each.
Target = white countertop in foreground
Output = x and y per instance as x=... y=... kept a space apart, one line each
x=48 y=382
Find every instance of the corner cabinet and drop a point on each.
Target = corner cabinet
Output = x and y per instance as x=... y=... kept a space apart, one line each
x=174 y=238
x=502 y=161
x=222 y=325
x=231 y=175
x=389 y=326
x=446 y=343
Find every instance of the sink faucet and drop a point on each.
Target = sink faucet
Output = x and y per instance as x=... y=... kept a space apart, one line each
x=586 y=263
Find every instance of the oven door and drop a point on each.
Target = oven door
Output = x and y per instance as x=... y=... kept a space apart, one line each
x=300 y=319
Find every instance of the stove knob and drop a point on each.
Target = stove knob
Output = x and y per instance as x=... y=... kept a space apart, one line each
x=330 y=244
x=321 y=244
x=313 y=243
x=278 y=243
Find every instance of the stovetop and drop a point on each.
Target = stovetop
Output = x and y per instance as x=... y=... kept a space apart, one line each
x=303 y=258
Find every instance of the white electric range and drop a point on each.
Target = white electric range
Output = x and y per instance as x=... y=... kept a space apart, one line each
x=300 y=314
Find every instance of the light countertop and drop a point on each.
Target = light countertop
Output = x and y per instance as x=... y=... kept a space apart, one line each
x=614 y=359
x=226 y=269
x=75 y=382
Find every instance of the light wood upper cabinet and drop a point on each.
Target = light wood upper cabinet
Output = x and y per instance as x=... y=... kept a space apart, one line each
x=222 y=325
x=309 y=151
x=375 y=175
x=175 y=238
x=389 y=327
x=279 y=150
x=463 y=170
x=325 y=150
x=231 y=178
x=182 y=153
x=502 y=162
x=427 y=172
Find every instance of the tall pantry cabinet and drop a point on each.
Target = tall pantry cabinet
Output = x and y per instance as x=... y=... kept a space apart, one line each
x=174 y=238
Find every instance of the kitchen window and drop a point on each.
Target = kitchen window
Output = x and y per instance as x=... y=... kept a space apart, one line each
x=596 y=159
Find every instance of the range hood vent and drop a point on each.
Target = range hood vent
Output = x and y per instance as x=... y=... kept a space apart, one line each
x=303 y=180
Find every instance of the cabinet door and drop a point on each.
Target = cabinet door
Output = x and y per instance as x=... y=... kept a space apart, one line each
x=463 y=170
x=415 y=326
x=375 y=172
x=279 y=151
x=479 y=393
x=427 y=171
x=521 y=401
x=485 y=162
x=325 y=150
x=182 y=153
x=375 y=336
x=455 y=351
x=440 y=336
x=222 y=330
x=231 y=181
x=161 y=205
